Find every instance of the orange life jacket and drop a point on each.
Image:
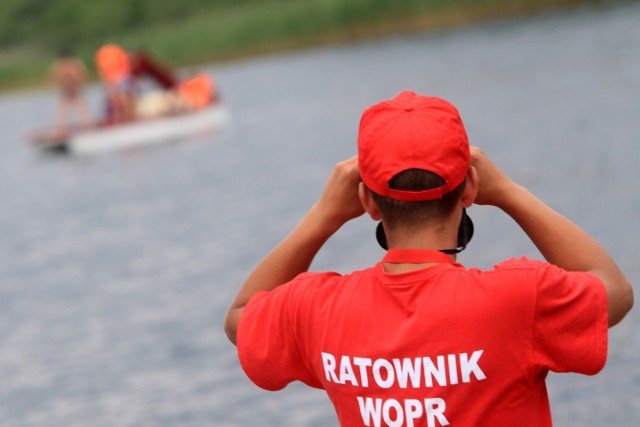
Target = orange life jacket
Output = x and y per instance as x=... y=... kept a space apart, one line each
x=112 y=62
x=197 y=91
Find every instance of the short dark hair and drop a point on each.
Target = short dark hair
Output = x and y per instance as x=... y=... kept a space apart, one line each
x=396 y=212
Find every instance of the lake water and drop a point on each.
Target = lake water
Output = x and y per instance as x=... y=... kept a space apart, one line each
x=116 y=270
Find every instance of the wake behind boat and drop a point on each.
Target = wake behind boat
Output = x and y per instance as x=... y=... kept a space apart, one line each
x=178 y=110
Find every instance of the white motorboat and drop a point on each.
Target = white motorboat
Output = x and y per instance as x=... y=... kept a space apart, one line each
x=144 y=132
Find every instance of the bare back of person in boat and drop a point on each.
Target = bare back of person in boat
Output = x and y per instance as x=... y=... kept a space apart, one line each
x=70 y=74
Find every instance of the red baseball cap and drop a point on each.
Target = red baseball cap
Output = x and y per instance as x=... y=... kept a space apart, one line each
x=412 y=131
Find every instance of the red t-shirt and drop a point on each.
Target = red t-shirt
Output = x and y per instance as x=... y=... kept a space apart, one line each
x=439 y=346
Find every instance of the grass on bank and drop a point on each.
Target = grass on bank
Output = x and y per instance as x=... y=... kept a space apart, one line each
x=261 y=26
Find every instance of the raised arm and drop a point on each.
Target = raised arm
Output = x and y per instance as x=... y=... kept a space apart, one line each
x=560 y=241
x=337 y=204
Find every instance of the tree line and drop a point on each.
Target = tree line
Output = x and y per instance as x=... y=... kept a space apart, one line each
x=183 y=32
x=71 y=23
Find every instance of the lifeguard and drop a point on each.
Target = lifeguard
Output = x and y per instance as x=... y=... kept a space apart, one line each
x=419 y=340
x=114 y=68
x=69 y=74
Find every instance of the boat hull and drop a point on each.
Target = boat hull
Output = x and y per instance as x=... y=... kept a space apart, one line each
x=136 y=134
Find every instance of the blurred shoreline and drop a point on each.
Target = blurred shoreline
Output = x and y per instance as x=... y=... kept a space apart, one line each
x=258 y=28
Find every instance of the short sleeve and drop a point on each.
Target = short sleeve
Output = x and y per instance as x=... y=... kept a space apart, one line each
x=266 y=339
x=571 y=321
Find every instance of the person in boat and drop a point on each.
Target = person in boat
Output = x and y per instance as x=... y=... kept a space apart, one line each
x=69 y=74
x=114 y=69
x=171 y=97
x=194 y=93
x=418 y=339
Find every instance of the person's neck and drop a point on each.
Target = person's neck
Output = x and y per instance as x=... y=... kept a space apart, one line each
x=441 y=236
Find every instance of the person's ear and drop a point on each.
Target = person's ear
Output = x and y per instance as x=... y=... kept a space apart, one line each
x=367 y=202
x=471 y=188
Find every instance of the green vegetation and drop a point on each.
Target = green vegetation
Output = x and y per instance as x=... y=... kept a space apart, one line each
x=195 y=31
